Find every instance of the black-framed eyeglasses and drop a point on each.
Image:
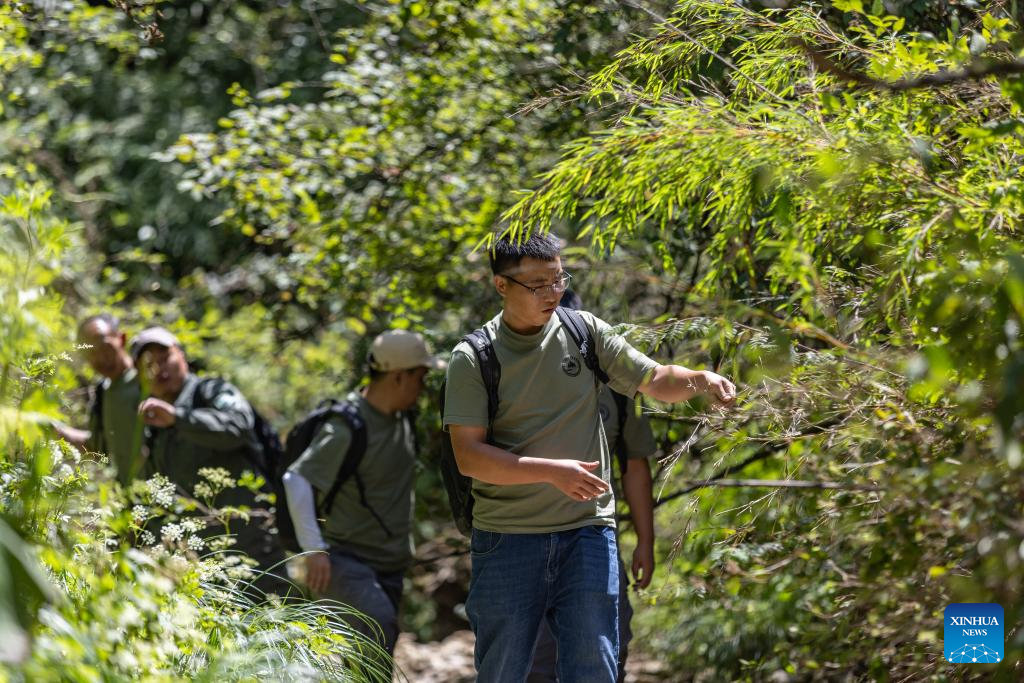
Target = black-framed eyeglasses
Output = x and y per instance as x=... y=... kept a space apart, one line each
x=556 y=287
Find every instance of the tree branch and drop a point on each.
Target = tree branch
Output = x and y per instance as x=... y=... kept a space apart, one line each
x=972 y=71
x=785 y=484
x=765 y=452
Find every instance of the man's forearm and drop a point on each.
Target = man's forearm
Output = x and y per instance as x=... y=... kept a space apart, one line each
x=302 y=507
x=637 y=490
x=495 y=465
x=74 y=436
x=674 y=383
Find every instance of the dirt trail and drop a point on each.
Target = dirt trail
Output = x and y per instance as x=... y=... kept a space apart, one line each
x=444 y=580
x=451 y=661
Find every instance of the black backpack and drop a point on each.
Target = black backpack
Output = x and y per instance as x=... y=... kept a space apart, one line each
x=459 y=486
x=299 y=439
x=267 y=458
x=621 y=405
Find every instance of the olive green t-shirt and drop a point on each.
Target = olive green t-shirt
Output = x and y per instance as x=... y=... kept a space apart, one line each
x=638 y=438
x=547 y=408
x=120 y=434
x=387 y=471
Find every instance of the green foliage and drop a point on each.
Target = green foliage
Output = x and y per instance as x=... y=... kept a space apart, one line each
x=83 y=598
x=106 y=608
x=779 y=193
x=859 y=240
x=359 y=200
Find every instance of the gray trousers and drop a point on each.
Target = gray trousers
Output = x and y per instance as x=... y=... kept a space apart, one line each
x=545 y=654
x=263 y=547
x=376 y=595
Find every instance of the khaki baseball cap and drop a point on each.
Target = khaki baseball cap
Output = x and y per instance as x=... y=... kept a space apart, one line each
x=153 y=335
x=402 y=350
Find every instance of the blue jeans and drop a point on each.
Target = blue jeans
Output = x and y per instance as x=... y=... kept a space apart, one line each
x=570 y=578
x=545 y=656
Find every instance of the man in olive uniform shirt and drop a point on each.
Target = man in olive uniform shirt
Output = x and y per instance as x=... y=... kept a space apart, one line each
x=198 y=422
x=114 y=425
x=543 y=545
x=366 y=549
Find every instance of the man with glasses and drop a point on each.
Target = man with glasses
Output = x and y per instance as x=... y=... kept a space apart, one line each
x=204 y=422
x=114 y=428
x=543 y=543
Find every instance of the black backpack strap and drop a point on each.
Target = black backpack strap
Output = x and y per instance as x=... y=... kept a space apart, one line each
x=458 y=486
x=490 y=371
x=350 y=465
x=256 y=452
x=621 y=405
x=580 y=333
x=100 y=438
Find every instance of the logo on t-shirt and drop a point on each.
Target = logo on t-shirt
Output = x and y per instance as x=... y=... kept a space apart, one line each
x=570 y=366
x=973 y=633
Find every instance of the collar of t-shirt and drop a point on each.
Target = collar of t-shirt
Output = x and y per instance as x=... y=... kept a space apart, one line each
x=523 y=342
x=369 y=411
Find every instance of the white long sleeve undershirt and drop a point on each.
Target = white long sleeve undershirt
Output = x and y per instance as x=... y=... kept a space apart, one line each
x=302 y=506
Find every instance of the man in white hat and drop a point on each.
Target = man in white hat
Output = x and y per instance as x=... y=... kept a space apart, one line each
x=195 y=422
x=364 y=543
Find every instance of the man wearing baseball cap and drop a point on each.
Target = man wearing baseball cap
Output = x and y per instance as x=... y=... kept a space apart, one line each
x=197 y=422
x=364 y=543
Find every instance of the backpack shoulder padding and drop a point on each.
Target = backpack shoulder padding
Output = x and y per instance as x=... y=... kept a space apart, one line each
x=490 y=369
x=584 y=339
x=458 y=486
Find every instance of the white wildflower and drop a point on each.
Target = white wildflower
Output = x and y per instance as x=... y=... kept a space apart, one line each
x=129 y=616
x=65 y=473
x=179 y=563
x=193 y=525
x=162 y=490
x=171 y=532
x=218 y=476
x=125 y=660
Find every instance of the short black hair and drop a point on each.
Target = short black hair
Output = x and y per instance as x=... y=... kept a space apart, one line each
x=506 y=253
x=373 y=374
x=112 y=322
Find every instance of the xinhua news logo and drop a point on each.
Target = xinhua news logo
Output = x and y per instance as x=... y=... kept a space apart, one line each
x=973 y=633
